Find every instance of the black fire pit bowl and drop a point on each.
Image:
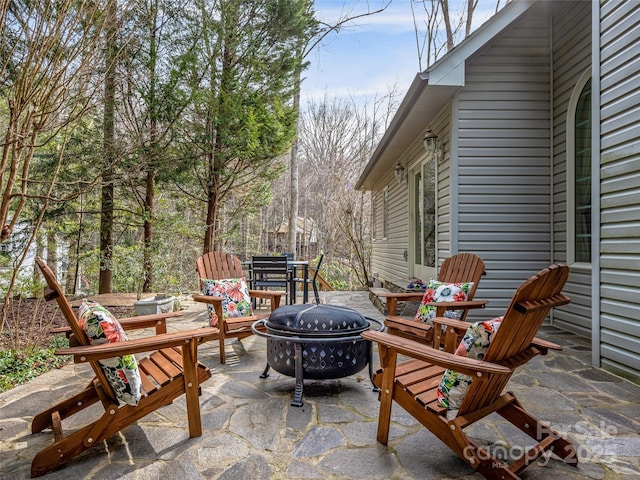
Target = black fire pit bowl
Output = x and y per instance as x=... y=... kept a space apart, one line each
x=316 y=342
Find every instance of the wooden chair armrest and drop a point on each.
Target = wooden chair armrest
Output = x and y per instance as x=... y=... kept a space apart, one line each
x=450 y=322
x=393 y=298
x=463 y=305
x=410 y=348
x=402 y=296
x=157 y=320
x=538 y=342
x=92 y=353
x=406 y=323
x=207 y=299
x=266 y=293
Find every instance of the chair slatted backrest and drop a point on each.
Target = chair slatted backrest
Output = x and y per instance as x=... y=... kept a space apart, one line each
x=270 y=269
x=218 y=266
x=461 y=268
x=54 y=291
x=512 y=343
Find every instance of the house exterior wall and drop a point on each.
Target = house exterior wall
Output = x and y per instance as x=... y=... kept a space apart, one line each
x=504 y=167
x=620 y=187
x=571 y=58
x=388 y=254
x=446 y=244
x=387 y=259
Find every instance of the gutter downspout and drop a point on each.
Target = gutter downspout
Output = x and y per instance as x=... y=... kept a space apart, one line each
x=551 y=155
x=595 y=184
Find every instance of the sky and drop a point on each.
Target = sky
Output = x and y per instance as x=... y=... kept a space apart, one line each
x=371 y=54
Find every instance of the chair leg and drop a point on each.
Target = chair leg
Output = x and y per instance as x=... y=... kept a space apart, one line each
x=65 y=408
x=58 y=453
x=191 y=387
x=223 y=357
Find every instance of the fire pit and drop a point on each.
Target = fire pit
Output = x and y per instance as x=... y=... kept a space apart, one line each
x=317 y=342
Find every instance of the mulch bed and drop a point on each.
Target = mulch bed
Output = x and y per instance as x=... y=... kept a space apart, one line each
x=30 y=320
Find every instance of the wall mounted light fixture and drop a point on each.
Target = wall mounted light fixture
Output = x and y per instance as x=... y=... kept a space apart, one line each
x=432 y=144
x=400 y=173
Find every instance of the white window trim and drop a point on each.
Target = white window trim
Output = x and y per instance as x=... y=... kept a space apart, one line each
x=571 y=171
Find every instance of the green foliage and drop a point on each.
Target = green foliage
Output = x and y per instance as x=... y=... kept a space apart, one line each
x=20 y=366
x=25 y=286
x=337 y=274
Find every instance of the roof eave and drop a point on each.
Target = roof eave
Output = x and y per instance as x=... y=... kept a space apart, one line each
x=430 y=91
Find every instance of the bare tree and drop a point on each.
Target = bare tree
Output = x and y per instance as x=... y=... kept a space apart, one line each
x=431 y=16
x=306 y=47
x=337 y=138
x=49 y=51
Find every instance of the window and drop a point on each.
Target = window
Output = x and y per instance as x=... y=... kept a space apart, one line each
x=424 y=206
x=579 y=174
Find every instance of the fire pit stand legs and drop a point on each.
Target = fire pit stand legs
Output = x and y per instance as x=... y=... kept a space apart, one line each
x=301 y=344
x=299 y=371
x=297 y=395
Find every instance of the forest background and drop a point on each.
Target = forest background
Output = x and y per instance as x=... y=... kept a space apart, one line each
x=137 y=135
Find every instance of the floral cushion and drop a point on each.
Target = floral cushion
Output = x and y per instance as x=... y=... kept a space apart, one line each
x=442 y=292
x=234 y=291
x=121 y=372
x=475 y=343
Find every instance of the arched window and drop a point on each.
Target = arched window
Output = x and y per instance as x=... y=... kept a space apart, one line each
x=579 y=174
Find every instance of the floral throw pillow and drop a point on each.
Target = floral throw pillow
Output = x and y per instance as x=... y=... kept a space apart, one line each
x=442 y=292
x=475 y=343
x=121 y=372
x=234 y=291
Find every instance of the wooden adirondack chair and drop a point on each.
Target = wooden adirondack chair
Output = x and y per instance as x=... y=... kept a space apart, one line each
x=413 y=384
x=218 y=266
x=172 y=370
x=463 y=267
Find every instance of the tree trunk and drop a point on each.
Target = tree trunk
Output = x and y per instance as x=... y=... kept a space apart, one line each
x=106 y=209
x=212 y=214
x=447 y=23
x=147 y=262
x=152 y=162
x=293 y=194
x=52 y=247
x=40 y=243
x=71 y=277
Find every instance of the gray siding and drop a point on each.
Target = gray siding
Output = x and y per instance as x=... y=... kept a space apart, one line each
x=504 y=169
x=388 y=253
x=442 y=126
x=620 y=187
x=571 y=58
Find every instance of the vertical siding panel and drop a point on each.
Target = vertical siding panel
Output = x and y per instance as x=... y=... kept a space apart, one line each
x=571 y=58
x=620 y=187
x=504 y=160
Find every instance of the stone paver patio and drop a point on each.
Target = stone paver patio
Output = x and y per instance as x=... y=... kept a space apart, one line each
x=252 y=432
